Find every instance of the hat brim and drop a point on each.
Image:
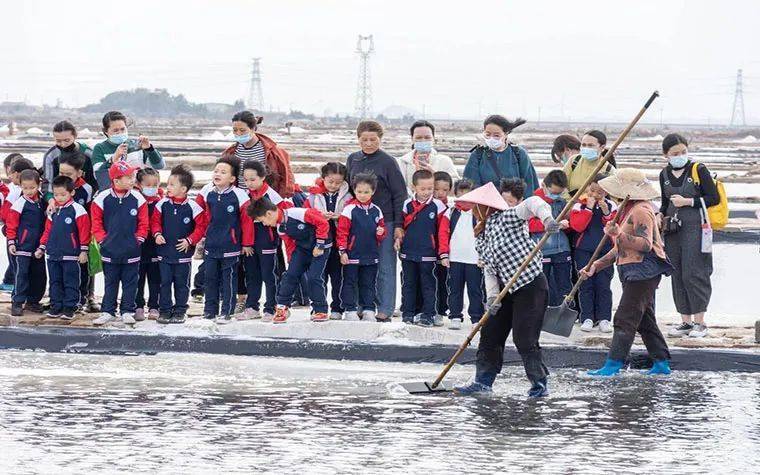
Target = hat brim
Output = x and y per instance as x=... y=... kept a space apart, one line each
x=486 y=195
x=618 y=188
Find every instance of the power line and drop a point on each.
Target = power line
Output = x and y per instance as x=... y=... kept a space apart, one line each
x=364 y=48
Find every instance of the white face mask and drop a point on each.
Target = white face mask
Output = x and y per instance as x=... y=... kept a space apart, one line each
x=494 y=143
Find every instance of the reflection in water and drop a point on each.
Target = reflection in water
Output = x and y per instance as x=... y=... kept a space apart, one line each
x=201 y=413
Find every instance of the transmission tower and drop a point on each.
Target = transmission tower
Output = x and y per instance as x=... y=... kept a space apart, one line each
x=364 y=48
x=737 y=115
x=255 y=94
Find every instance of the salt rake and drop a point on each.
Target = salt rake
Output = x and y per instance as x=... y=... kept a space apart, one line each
x=438 y=386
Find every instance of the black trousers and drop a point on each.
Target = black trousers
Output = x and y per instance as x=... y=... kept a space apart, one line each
x=635 y=312
x=521 y=313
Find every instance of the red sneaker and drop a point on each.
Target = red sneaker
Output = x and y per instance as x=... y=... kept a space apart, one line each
x=319 y=317
x=281 y=314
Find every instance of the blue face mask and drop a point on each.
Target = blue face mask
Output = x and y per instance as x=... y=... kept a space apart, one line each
x=118 y=139
x=553 y=196
x=589 y=153
x=423 y=146
x=149 y=190
x=243 y=138
x=679 y=161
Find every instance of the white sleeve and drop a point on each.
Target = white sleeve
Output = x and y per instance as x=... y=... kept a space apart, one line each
x=534 y=206
x=492 y=284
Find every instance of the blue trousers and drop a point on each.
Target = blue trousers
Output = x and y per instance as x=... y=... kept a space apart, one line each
x=303 y=262
x=10 y=272
x=461 y=275
x=220 y=281
x=334 y=271
x=126 y=275
x=65 y=279
x=359 y=287
x=177 y=277
x=30 y=279
x=417 y=276
x=260 y=269
x=558 y=271
x=441 y=290
x=386 y=273
x=86 y=283
x=148 y=272
x=595 y=293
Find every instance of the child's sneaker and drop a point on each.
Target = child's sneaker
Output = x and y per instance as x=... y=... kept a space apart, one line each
x=53 y=314
x=319 y=317
x=68 y=314
x=416 y=319
x=369 y=316
x=239 y=307
x=382 y=318
x=209 y=316
x=699 y=331
x=92 y=306
x=588 y=325
x=178 y=318
x=336 y=316
x=249 y=314
x=455 y=324
x=34 y=307
x=104 y=318
x=197 y=295
x=139 y=314
x=681 y=330
x=128 y=318
x=438 y=320
x=153 y=314
x=426 y=321
x=17 y=310
x=164 y=317
x=351 y=317
x=605 y=326
x=223 y=319
x=6 y=288
x=268 y=317
x=281 y=314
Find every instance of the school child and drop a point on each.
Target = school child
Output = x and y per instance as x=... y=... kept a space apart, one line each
x=301 y=296
x=65 y=240
x=25 y=222
x=71 y=164
x=512 y=190
x=329 y=195
x=177 y=225
x=229 y=232
x=441 y=191
x=455 y=248
x=261 y=265
x=148 y=183
x=418 y=248
x=120 y=224
x=361 y=228
x=306 y=234
x=588 y=218
x=557 y=260
x=15 y=163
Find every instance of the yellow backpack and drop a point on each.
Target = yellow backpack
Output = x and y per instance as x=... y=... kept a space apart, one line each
x=718 y=214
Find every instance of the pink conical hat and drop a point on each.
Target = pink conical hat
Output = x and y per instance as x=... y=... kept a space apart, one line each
x=486 y=195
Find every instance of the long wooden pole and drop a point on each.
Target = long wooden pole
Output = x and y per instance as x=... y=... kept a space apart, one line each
x=542 y=241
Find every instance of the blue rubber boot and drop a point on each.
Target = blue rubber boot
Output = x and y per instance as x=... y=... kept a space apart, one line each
x=482 y=384
x=540 y=388
x=610 y=368
x=660 y=367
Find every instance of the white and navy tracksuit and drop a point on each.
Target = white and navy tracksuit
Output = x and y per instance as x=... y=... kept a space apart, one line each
x=557 y=259
x=229 y=228
x=66 y=236
x=419 y=253
x=456 y=242
x=261 y=267
x=303 y=229
x=323 y=200
x=120 y=225
x=149 y=271
x=25 y=222
x=357 y=237
x=83 y=195
x=595 y=294
x=9 y=194
x=176 y=219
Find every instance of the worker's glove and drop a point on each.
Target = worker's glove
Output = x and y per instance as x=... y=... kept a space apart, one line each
x=493 y=306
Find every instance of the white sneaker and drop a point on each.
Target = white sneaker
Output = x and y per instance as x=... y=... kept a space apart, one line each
x=368 y=316
x=681 y=330
x=223 y=319
x=351 y=317
x=588 y=325
x=438 y=320
x=699 y=331
x=268 y=317
x=605 y=326
x=455 y=324
x=336 y=316
x=103 y=319
x=128 y=318
x=248 y=314
x=417 y=319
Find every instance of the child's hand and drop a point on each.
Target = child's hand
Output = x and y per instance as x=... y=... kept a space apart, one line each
x=160 y=240
x=564 y=224
x=591 y=202
x=445 y=262
x=83 y=257
x=379 y=231
x=39 y=253
x=12 y=249
x=318 y=251
x=604 y=206
x=182 y=245
x=344 y=259
x=397 y=244
x=481 y=264
x=247 y=251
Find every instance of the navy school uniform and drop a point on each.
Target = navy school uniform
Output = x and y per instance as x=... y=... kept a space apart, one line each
x=301 y=296
x=120 y=225
x=66 y=236
x=303 y=229
x=176 y=219
x=595 y=294
x=9 y=195
x=83 y=195
x=557 y=260
x=149 y=271
x=419 y=253
x=229 y=228
x=25 y=223
x=357 y=237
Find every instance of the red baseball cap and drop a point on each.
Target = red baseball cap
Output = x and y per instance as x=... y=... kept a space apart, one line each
x=120 y=169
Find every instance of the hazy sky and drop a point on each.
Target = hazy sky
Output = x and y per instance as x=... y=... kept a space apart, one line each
x=458 y=59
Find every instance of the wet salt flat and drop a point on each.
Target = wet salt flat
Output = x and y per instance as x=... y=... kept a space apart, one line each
x=200 y=414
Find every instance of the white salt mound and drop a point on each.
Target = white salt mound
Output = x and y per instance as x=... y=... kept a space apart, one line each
x=35 y=131
x=748 y=139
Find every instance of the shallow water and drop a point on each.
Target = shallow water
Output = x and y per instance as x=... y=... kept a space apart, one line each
x=199 y=413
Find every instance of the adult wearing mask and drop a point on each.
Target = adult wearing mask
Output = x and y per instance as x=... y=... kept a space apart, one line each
x=423 y=155
x=564 y=148
x=579 y=167
x=65 y=135
x=682 y=216
x=499 y=158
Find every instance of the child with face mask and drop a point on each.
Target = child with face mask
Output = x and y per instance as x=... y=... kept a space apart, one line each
x=148 y=183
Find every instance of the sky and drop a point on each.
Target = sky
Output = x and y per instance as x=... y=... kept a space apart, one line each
x=547 y=60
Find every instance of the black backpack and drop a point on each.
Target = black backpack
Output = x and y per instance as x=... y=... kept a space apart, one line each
x=492 y=161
